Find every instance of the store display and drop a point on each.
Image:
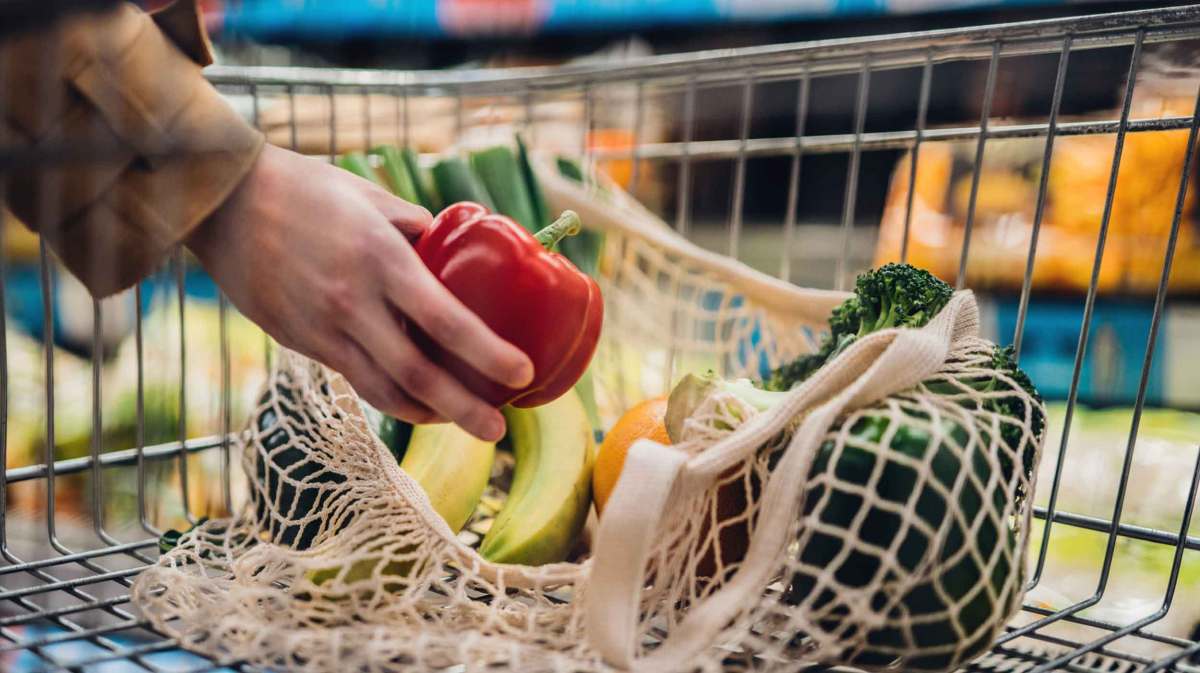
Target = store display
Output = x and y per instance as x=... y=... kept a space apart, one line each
x=273 y=19
x=1142 y=209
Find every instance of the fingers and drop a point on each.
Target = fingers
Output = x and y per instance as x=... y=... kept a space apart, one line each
x=374 y=385
x=422 y=298
x=420 y=379
x=409 y=218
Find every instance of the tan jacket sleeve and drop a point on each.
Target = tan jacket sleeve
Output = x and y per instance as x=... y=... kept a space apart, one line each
x=129 y=147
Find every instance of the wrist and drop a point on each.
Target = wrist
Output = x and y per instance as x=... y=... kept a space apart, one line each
x=206 y=239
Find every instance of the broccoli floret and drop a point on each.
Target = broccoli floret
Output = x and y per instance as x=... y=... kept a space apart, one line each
x=898 y=295
x=846 y=318
x=1009 y=406
x=894 y=295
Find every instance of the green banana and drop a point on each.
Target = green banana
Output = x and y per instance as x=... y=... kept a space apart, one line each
x=452 y=466
x=551 y=490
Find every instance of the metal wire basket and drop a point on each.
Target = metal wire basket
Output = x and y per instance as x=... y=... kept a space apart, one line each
x=75 y=529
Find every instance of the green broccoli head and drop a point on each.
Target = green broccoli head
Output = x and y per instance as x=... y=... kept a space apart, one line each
x=894 y=295
x=1012 y=406
x=846 y=317
x=993 y=388
x=1004 y=360
x=898 y=295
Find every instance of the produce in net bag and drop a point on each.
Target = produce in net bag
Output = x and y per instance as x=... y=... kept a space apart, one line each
x=883 y=483
x=752 y=541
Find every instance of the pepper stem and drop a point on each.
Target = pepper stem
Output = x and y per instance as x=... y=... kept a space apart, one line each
x=567 y=224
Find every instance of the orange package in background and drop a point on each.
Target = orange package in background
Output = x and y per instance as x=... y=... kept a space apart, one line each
x=1143 y=209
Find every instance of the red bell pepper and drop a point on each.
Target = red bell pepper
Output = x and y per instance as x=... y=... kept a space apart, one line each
x=529 y=295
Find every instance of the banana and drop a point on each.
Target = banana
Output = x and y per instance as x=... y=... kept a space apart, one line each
x=452 y=466
x=551 y=490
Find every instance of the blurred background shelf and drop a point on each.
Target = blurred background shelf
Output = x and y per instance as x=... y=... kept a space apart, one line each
x=458 y=18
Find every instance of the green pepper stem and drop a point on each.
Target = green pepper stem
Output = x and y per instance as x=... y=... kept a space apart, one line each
x=567 y=224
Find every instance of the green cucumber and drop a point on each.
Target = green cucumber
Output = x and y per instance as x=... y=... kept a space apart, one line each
x=537 y=198
x=584 y=248
x=500 y=173
x=456 y=182
x=358 y=164
x=396 y=174
x=426 y=194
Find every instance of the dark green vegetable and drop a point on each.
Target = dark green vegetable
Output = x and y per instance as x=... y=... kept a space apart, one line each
x=280 y=453
x=997 y=398
x=1012 y=407
x=897 y=484
x=501 y=174
x=894 y=295
x=397 y=176
x=170 y=537
x=394 y=433
x=456 y=182
x=537 y=198
x=883 y=528
x=423 y=183
x=569 y=169
x=583 y=249
x=358 y=164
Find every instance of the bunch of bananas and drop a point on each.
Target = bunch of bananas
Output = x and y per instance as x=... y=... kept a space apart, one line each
x=551 y=491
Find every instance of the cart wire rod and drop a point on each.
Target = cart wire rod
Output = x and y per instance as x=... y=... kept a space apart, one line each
x=128 y=547
x=1132 y=531
x=112 y=458
x=1038 y=213
x=1081 y=350
x=1170 y=660
x=1152 y=636
x=833 y=143
x=674 y=81
x=842 y=143
x=91 y=663
x=1139 y=405
x=919 y=137
x=989 y=91
x=69 y=583
x=850 y=196
x=15 y=620
x=107 y=629
x=794 y=176
x=1172 y=582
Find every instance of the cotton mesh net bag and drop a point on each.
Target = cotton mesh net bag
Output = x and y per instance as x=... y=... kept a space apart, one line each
x=755 y=543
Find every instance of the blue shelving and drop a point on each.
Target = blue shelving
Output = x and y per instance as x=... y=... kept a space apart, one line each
x=1111 y=369
x=23 y=296
x=464 y=18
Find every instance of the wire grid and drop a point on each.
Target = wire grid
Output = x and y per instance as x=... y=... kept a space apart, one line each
x=78 y=583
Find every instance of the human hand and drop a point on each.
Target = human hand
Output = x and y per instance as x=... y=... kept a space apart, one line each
x=321 y=260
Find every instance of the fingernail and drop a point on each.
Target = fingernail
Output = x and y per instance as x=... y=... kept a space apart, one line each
x=523 y=375
x=494 y=428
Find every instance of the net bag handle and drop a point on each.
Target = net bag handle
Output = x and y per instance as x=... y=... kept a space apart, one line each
x=878 y=365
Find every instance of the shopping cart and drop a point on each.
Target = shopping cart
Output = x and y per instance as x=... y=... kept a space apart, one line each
x=65 y=575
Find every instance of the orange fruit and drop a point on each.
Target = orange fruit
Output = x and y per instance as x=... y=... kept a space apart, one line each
x=644 y=420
